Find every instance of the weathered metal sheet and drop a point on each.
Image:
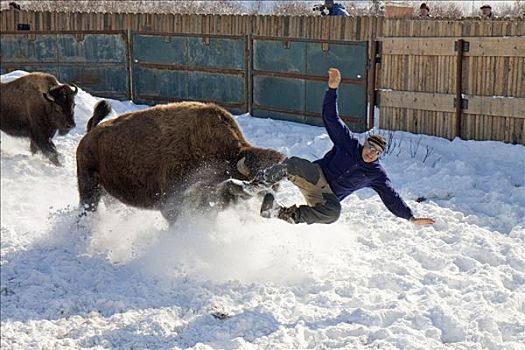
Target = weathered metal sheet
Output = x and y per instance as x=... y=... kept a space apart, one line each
x=351 y=98
x=160 y=49
x=96 y=62
x=290 y=78
x=216 y=52
x=276 y=92
x=216 y=87
x=350 y=59
x=189 y=67
x=28 y=48
x=106 y=81
x=153 y=85
x=279 y=56
x=99 y=48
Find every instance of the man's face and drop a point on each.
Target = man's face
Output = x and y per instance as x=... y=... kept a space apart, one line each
x=486 y=11
x=423 y=12
x=370 y=152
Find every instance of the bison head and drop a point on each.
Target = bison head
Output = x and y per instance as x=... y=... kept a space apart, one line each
x=62 y=98
x=251 y=160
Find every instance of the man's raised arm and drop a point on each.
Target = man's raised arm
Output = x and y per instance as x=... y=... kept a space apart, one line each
x=336 y=128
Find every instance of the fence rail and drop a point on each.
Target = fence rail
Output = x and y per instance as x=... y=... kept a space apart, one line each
x=490 y=77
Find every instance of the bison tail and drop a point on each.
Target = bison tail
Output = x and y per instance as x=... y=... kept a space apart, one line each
x=101 y=111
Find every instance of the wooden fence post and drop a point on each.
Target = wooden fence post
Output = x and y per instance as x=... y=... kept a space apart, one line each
x=374 y=59
x=129 y=45
x=460 y=48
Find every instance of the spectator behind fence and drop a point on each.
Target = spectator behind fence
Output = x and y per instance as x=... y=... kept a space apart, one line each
x=14 y=6
x=486 y=12
x=331 y=9
x=424 y=11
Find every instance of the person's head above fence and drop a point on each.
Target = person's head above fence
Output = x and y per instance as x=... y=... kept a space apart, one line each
x=14 y=6
x=331 y=8
x=486 y=11
x=424 y=10
x=329 y=3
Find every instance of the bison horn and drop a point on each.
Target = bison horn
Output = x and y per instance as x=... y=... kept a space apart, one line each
x=49 y=97
x=242 y=167
x=75 y=88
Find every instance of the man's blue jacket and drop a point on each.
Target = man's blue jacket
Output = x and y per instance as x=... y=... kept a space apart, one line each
x=344 y=167
x=338 y=10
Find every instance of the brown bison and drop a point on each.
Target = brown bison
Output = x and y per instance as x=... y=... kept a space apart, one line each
x=160 y=157
x=36 y=106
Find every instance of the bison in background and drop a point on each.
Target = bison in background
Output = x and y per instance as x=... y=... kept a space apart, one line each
x=166 y=156
x=36 y=106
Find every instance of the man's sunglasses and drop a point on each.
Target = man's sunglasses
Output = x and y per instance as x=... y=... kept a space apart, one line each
x=374 y=149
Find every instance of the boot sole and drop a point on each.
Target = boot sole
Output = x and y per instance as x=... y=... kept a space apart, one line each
x=267 y=205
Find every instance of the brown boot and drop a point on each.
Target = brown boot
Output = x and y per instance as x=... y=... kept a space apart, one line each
x=288 y=214
x=271 y=209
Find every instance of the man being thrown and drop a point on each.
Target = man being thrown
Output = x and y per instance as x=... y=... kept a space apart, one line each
x=347 y=167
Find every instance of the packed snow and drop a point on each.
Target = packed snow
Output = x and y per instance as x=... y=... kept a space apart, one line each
x=122 y=278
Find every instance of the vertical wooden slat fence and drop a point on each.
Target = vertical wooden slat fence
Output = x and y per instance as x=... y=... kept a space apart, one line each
x=471 y=87
x=482 y=76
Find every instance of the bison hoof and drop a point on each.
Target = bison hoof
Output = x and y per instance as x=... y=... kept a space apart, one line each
x=55 y=159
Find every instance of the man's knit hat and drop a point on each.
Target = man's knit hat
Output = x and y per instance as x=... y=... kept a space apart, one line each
x=377 y=140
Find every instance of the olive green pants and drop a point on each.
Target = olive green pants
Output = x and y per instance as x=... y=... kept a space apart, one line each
x=322 y=204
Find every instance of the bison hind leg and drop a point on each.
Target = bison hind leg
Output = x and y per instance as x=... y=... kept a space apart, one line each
x=89 y=190
x=33 y=147
x=170 y=212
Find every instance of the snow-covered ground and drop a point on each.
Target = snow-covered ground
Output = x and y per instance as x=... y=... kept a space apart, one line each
x=123 y=279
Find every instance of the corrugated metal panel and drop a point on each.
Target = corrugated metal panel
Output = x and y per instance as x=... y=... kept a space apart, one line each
x=96 y=62
x=290 y=78
x=189 y=67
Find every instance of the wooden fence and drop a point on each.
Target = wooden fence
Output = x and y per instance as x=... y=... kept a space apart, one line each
x=482 y=76
x=455 y=87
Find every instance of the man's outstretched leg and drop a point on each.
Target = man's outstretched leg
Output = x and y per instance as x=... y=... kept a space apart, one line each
x=322 y=204
x=322 y=213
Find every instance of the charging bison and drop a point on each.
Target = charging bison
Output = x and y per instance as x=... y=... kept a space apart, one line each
x=36 y=106
x=163 y=156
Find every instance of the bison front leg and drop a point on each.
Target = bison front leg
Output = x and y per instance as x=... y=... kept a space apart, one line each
x=47 y=147
x=234 y=188
x=89 y=189
x=231 y=191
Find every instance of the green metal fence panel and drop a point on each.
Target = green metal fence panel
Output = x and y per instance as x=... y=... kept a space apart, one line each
x=17 y=48
x=168 y=67
x=92 y=48
x=96 y=61
x=278 y=93
x=287 y=81
x=350 y=58
x=171 y=50
x=279 y=56
x=216 y=53
x=290 y=78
